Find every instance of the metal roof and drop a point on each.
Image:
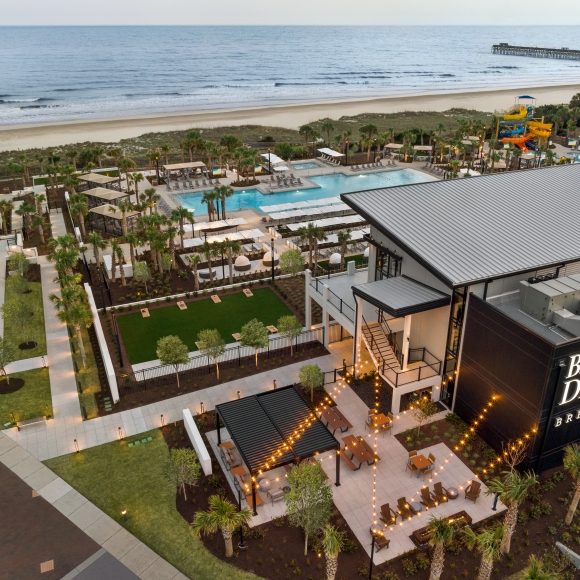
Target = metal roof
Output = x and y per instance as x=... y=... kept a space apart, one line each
x=261 y=426
x=400 y=296
x=472 y=230
x=104 y=193
x=97 y=178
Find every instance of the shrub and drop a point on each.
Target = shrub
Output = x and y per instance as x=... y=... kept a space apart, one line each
x=566 y=537
x=349 y=546
x=390 y=575
x=552 y=530
x=522 y=517
x=422 y=562
x=558 y=476
x=548 y=486
x=409 y=567
x=453 y=418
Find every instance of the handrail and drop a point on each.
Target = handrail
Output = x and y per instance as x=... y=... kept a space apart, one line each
x=391 y=337
x=342 y=306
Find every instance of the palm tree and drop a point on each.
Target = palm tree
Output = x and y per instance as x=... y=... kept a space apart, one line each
x=536 y=571
x=343 y=238
x=454 y=166
x=121 y=260
x=72 y=155
x=488 y=543
x=369 y=131
x=224 y=191
x=155 y=158
x=223 y=516
x=131 y=239
x=194 y=260
x=232 y=249
x=124 y=207
x=441 y=534
x=40 y=160
x=38 y=222
x=25 y=163
x=328 y=128
x=115 y=252
x=136 y=178
x=39 y=199
x=98 y=244
x=306 y=131
x=158 y=244
x=125 y=165
x=208 y=198
x=332 y=542
x=440 y=129
x=70 y=179
x=6 y=208
x=98 y=153
x=79 y=208
x=180 y=214
x=165 y=149
x=208 y=250
x=171 y=232
x=307 y=235
x=572 y=466
x=319 y=236
x=151 y=198
x=25 y=211
x=516 y=154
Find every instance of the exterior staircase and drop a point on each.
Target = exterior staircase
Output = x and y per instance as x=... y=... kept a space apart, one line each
x=381 y=345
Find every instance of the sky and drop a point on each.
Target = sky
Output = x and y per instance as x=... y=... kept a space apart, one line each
x=289 y=12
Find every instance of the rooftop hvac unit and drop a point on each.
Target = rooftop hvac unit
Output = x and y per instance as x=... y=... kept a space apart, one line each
x=533 y=280
x=550 y=276
x=540 y=278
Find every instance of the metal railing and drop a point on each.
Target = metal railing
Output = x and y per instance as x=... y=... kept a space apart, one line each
x=334 y=299
x=391 y=337
x=398 y=377
x=200 y=365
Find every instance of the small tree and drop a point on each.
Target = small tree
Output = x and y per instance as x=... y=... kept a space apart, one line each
x=17 y=313
x=332 y=542
x=311 y=378
x=141 y=273
x=290 y=328
x=212 y=345
x=441 y=534
x=512 y=490
x=222 y=515
x=98 y=245
x=254 y=334
x=183 y=468
x=572 y=466
x=18 y=263
x=292 y=262
x=172 y=351
x=194 y=260
x=77 y=315
x=423 y=409
x=309 y=501
x=537 y=570
x=487 y=542
x=7 y=355
x=18 y=283
x=343 y=239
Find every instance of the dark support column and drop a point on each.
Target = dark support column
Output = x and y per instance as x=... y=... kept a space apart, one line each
x=337 y=482
x=217 y=426
x=254 y=496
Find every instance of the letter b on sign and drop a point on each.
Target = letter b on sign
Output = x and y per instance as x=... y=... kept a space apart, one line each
x=574 y=367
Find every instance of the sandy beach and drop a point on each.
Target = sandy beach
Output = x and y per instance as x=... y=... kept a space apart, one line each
x=291 y=116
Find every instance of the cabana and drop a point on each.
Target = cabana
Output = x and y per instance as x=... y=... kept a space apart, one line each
x=273 y=162
x=102 y=196
x=180 y=167
x=92 y=180
x=263 y=429
x=330 y=152
x=330 y=156
x=394 y=146
x=103 y=219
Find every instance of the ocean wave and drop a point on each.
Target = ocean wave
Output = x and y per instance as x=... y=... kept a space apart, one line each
x=38 y=107
x=506 y=67
x=42 y=99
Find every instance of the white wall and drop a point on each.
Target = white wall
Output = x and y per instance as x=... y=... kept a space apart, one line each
x=197 y=441
x=429 y=330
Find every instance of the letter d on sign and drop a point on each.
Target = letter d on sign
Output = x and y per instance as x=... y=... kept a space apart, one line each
x=565 y=397
x=574 y=366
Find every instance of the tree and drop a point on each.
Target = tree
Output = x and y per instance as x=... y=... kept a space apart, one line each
x=223 y=192
x=78 y=314
x=171 y=350
x=332 y=542
x=114 y=247
x=123 y=207
x=290 y=328
x=343 y=239
x=180 y=214
x=18 y=263
x=441 y=534
x=194 y=260
x=25 y=211
x=254 y=334
x=309 y=501
x=307 y=234
x=487 y=542
x=121 y=261
x=98 y=244
x=38 y=222
x=231 y=142
x=17 y=283
x=182 y=468
x=131 y=239
x=306 y=131
x=7 y=355
x=141 y=273
x=575 y=101
x=284 y=150
x=17 y=313
x=328 y=128
x=222 y=515
x=165 y=149
x=369 y=131
x=212 y=345
x=6 y=208
x=422 y=410
x=536 y=570
x=572 y=466
x=311 y=378
x=292 y=262
x=319 y=235
x=79 y=208
x=209 y=251
x=232 y=248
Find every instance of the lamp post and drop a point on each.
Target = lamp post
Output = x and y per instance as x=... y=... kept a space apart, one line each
x=375 y=531
x=494 y=506
x=272 y=256
x=346 y=160
x=269 y=161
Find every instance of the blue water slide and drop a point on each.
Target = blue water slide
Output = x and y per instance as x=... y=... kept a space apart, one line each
x=529 y=117
x=531 y=145
x=513 y=132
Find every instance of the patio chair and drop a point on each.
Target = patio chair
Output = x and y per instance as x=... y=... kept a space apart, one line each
x=176 y=186
x=299 y=181
x=441 y=494
x=409 y=464
x=403 y=508
x=381 y=542
x=427 y=499
x=472 y=491
x=275 y=494
x=388 y=516
x=386 y=428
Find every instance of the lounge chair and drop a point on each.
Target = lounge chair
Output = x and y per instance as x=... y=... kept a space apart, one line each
x=275 y=494
x=216 y=181
x=197 y=183
x=381 y=541
x=299 y=181
x=176 y=186
x=427 y=499
x=440 y=492
x=204 y=182
x=168 y=187
x=388 y=516
x=472 y=491
x=403 y=508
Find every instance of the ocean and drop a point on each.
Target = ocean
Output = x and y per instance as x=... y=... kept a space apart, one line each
x=50 y=74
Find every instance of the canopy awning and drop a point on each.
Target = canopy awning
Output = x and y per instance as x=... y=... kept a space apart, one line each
x=423 y=147
x=97 y=178
x=189 y=165
x=113 y=212
x=401 y=296
x=330 y=152
x=106 y=194
x=271 y=158
x=394 y=146
x=280 y=167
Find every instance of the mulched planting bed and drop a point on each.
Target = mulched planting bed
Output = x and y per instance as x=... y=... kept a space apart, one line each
x=14 y=385
x=134 y=395
x=292 y=291
x=276 y=549
x=33 y=274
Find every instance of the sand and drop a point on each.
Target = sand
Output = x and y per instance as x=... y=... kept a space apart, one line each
x=290 y=116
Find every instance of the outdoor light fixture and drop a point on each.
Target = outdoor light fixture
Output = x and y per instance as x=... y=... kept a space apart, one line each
x=162 y=421
x=239 y=394
x=201 y=409
x=120 y=432
x=124 y=514
x=43 y=362
x=275 y=386
x=77 y=446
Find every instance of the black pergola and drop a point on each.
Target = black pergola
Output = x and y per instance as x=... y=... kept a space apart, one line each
x=264 y=428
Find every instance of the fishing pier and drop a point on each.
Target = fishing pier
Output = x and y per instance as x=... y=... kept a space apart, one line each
x=536 y=51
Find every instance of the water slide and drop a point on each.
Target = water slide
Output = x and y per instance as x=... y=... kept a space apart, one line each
x=519 y=142
x=517 y=131
x=538 y=129
x=525 y=114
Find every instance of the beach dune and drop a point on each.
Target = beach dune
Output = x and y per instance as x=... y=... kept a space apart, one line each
x=290 y=116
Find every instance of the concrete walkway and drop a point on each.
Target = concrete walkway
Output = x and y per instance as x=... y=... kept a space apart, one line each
x=26 y=364
x=111 y=536
x=58 y=225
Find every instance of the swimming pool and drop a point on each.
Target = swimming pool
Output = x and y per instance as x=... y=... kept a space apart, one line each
x=328 y=186
x=308 y=165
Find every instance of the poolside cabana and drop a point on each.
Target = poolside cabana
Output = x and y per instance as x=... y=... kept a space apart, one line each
x=182 y=168
x=102 y=196
x=264 y=430
x=273 y=162
x=330 y=152
x=93 y=180
x=103 y=219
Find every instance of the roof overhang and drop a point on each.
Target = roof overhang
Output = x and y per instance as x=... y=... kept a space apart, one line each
x=401 y=296
x=97 y=178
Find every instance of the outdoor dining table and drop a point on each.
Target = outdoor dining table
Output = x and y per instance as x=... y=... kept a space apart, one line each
x=420 y=462
x=380 y=419
x=352 y=444
x=333 y=421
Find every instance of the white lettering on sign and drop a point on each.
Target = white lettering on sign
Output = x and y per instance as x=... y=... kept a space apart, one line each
x=567 y=418
x=572 y=387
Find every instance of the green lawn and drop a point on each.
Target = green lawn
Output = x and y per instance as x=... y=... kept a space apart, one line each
x=140 y=335
x=30 y=401
x=33 y=331
x=116 y=477
x=358 y=259
x=89 y=377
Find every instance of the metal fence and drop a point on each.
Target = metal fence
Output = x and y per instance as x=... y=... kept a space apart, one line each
x=200 y=365
x=334 y=299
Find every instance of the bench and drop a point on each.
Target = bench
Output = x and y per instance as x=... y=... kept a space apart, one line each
x=368 y=448
x=29 y=422
x=349 y=461
x=341 y=416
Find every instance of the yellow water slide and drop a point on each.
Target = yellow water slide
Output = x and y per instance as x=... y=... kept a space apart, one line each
x=517 y=116
x=538 y=129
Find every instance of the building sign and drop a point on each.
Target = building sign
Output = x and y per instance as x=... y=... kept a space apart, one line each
x=571 y=390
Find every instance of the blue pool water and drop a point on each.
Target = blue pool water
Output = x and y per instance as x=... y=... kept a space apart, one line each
x=308 y=165
x=329 y=186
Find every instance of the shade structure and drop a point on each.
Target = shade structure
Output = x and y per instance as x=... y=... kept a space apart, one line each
x=330 y=152
x=394 y=146
x=423 y=147
x=188 y=165
x=264 y=427
x=97 y=178
x=280 y=168
x=270 y=157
